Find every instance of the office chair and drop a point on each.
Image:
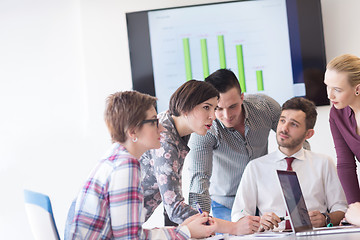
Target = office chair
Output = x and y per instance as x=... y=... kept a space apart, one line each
x=40 y=215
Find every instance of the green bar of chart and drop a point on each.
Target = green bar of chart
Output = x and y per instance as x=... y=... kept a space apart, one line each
x=204 y=57
x=259 y=80
x=240 y=61
x=221 y=45
x=241 y=69
x=186 y=46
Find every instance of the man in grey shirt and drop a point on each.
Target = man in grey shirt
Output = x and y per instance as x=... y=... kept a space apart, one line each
x=239 y=134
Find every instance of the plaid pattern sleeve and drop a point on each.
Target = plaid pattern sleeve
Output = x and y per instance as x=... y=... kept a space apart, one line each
x=110 y=205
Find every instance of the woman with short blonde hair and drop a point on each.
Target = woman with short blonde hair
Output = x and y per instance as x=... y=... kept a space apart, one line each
x=110 y=203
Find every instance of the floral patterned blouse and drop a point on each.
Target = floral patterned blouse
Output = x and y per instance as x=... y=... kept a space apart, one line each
x=161 y=170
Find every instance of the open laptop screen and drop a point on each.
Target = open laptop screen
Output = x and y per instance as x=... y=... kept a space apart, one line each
x=294 y=200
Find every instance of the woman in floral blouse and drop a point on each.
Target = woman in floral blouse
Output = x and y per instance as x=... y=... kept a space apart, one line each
x=191 y=109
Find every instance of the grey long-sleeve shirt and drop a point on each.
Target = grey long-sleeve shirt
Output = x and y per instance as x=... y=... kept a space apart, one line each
x=218 y=159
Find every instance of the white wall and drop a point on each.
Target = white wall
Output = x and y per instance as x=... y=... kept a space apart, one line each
x=58 y=62
x=43 y=106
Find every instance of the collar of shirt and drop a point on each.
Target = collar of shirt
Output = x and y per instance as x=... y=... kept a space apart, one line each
x=298 y=155
x=115 y=149
x=349 y=111
x=168 y=123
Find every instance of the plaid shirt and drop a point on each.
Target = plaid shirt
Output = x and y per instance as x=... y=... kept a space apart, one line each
x=110 y=205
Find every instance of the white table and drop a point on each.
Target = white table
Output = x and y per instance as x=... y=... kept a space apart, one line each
x=336 y=236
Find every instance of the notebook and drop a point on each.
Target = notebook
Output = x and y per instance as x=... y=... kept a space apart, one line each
x=297 y=210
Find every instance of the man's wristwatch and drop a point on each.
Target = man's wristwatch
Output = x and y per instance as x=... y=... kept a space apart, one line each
x=327 y=220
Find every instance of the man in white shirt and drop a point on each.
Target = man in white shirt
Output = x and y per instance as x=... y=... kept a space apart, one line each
x=260 y=190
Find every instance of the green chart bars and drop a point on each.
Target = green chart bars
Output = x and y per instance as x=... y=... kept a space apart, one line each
x=204 y=57
x=259 y=80
x=186 y=46
x=222 y=60
x=222 y=51
x=241 y=69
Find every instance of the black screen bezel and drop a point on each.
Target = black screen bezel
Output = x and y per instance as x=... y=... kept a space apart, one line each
x=306 y=38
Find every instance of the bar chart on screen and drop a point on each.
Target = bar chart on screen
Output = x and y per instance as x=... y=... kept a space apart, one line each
x=187 y=46
x=239 y=62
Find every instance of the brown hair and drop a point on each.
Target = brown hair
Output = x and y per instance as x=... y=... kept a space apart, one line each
x=305 y=105
x=224 y=80
x=349 y=64
x=126 y=110
x=190 y=94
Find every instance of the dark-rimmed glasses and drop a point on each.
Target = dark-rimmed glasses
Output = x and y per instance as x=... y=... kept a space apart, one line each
x=155 y=120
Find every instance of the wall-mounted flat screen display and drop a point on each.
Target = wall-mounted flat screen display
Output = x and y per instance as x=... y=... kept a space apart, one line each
x=275 y=47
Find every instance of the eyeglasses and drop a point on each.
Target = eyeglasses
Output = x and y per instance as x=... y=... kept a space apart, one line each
x=153 y=121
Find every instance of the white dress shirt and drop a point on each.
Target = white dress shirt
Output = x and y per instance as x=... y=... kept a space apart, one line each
x=260 y=187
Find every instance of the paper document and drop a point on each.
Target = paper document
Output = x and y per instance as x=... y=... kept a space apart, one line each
x=263 y=235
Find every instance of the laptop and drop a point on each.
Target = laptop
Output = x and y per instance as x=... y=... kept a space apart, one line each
x=297 y=210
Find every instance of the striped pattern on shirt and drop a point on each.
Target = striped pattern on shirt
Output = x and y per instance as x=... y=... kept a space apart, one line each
x=218 y=159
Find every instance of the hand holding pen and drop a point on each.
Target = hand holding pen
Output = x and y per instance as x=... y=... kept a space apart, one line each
x=198 y=208
x=198 y=228
x=270 y=220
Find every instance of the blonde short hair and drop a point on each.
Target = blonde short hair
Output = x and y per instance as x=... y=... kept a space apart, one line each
x=349 y=64
x=126 y=110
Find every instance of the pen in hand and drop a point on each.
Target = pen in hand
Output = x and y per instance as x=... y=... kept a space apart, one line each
x=284 y=218
x=200 y=211
x=344 y=223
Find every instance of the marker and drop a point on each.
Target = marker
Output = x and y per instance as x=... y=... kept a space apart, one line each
x=285 y=218
x=345 y=223
x=200 y=211
x=199 y=208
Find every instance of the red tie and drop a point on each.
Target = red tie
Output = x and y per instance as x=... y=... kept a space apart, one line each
x=289 y=161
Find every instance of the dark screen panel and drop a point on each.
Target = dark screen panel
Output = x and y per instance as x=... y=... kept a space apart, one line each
x=312 y=50
x=140 y=52
x=305 y=35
